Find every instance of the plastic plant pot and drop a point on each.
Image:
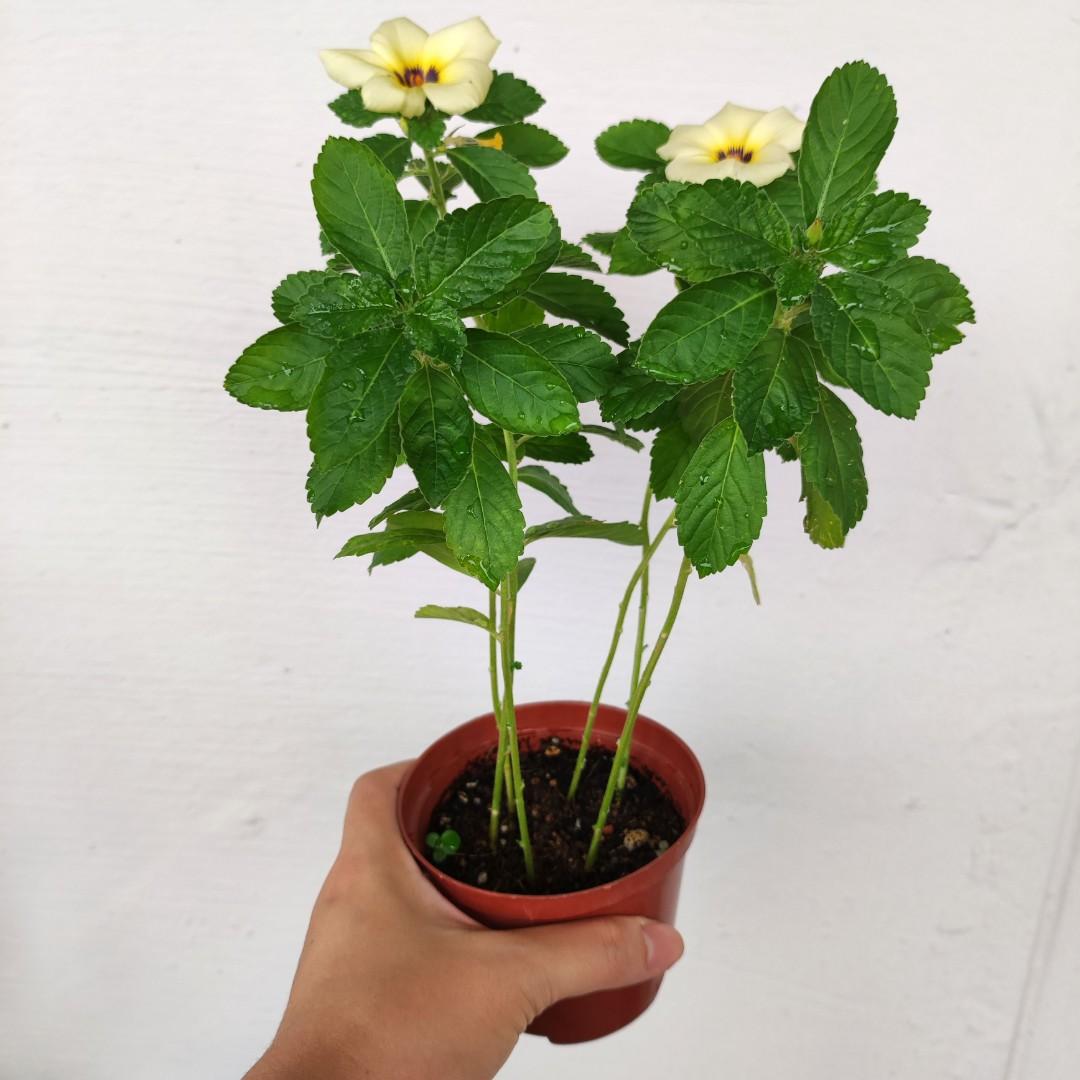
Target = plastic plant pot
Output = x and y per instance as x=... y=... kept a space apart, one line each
x=651 y=891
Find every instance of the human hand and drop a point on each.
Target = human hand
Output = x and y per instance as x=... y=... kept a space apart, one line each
x=395 y=983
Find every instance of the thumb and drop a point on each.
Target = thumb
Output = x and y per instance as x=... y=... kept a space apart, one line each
x=569 y=959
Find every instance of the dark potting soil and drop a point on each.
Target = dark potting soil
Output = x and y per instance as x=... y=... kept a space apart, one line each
x=642 y=824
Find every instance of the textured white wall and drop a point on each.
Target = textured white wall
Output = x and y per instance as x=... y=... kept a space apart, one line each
x=880 y=887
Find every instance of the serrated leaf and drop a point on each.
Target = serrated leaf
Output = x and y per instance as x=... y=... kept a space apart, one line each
x=700 y=408
x=586 y=528
x=671 y=452
x=820 y=521
x=508 y=100
x=787 y=195
x=871 y=336
x=575 y=258
x=531 y=145
x=512 y=384
x=603 y=242
x=775 y=391
x=422 y=217
x=392 y=150
x=720 y=501
x=435 y=329
x=939 y=298
x=568 y=296
x=411 y=500
x=795 y=280
x=485 y=528
x=370 y=543
x=536 y=476
x=627 y=258
x=583 y=359
x=279 y=371
x=699 y=231
x=345 y=305
x=352 y=419
x=349 y=109
x=436 y=432
x=428 y=128
x=512 y=317
x=635 y=394
x=456 y=614
x=572 y=449
x=708 y=328
x=292 y=288
x=476 y=252
x=491 y=173
x=632 y=144
x=850 y=126
x=830 y=452
x=876 y=230
x=359 y=208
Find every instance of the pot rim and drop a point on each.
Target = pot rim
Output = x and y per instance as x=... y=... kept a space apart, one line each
x=656 y=869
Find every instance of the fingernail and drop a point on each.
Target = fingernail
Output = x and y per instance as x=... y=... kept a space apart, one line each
x=663 y=945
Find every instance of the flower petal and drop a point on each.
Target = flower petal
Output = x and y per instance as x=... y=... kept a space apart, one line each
x=384 y=94
x=688 y=138
x=468 y=40
x=697 y=169
x=350 y=67
x=732 y=123
x=400 y=42
x=780 y=126
x=462 y=86
x=761 y=171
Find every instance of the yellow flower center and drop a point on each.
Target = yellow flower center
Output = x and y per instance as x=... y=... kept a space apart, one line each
x=739 y=153
x=415 y=75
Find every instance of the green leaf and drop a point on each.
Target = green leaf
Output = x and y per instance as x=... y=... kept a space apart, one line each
x=434 y=328
x=627 y=258
x=850 y=126
x=370 y=543
x=876 y=230
x=411 y=500
x=870 y=334
x=512 y=384
x=940 y=301
x=583 y=359
x=345 y=305
x=279 y=371
x=787 y=195
x=427 y=129
x=720 y=502
x=392 y=150
x=632 y=144
x=586 y=528
x=293 y=288
x=512 y=317
x=422 y=217
x=820 y=521
x=604 y=242
x=349 y=109
x=485 y=528
x=575 y=258
x=352 y=419
x=671 y=452
x=776 y=390
x=795 y=280
x=359 y=208
x=699 y=231
x=491 y=173
x=830 y=451
x=700 y=408
x=525 y=567
x=508 y=100
x=615 y=435
x=572 y=449
x=536 y=476
x=634 y=394
x=475 y=252
x=530 y=144
x=568 y=296
x=708 y=328
x=436 y=431
x=456 y=614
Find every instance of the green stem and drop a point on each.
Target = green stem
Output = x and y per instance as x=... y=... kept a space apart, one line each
x=622 y=747
x=509 y=612
x=496 y=706
x=620 y=619
x=438 y=196
x=643 y=600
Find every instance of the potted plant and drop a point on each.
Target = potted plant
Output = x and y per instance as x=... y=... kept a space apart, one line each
x=425 y=343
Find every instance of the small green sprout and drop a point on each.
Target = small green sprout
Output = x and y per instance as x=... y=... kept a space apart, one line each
x=442 y=845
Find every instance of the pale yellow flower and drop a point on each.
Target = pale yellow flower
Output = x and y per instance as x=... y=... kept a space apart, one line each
x=742 y=143
x=406 y=67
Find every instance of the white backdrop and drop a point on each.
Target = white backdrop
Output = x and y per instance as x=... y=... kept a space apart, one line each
x=880 y=887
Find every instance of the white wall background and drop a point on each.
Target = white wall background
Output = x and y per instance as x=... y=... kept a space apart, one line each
x=881 y=887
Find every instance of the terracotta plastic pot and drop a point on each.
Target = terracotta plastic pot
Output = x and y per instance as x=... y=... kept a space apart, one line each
x=652 y=891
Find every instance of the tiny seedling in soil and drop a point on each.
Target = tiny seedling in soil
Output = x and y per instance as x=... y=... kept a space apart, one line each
x=443 y=844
